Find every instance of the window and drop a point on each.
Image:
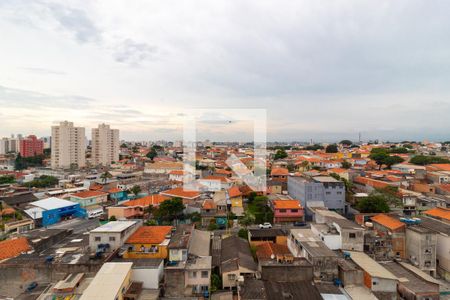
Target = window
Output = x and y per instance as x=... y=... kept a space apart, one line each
x=294 y=210
x=97 y=239
x=231 y=277
x=112 y=238
x=374 y=283
x=282 y=210
x=352 y=235
x=193 y=274
x=205 y=274
x=328 y=193
x=339 y=193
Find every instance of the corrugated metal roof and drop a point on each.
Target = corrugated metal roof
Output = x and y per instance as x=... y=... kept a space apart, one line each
x=371 y=266
x=52 y=203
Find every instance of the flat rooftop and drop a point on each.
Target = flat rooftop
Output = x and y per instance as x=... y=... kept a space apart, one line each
x=325 y=179
x=114 y=226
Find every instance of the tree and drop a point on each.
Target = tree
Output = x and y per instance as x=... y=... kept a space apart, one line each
x=374 y=203
x=331 y=148
x=216 y=282
x=105 y=176
x=346 y=142
x=392 y=160
x=426 y=160
x=212 y=227
x=247 y=220
x=19 y=163
x=314 y=147
x=280 y=154
x=305 y=165
x=135 y=189
x=195 y=217
x=399 y=150
x=379 y=157
x=346 y=164
x=243 y=233
x=7 y=179
x=169 y=210
x=112 y=218
x=152 y=154
x=43 y=181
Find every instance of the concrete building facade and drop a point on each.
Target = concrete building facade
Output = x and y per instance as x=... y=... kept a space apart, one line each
x=68 y=146
x=105 y=145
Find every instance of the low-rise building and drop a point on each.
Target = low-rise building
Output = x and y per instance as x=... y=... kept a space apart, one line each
x=304 y=243
x=137 y=208
x=52 y=210
x=148 y=242
x=376 y=278
x=235 y=197
x=394 y=232
x=113 y=234
x=89 y=198
x=287 y=211
x=421 y=248
x=110 y=283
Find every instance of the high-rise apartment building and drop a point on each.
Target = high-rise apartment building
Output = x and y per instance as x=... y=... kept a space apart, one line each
x=68 y=146
x=31 y=146
x=105 y=145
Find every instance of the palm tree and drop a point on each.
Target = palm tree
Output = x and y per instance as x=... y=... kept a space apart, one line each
x=105 y=176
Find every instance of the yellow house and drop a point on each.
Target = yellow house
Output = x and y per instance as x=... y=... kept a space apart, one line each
x=149 y=242
x=235 y=196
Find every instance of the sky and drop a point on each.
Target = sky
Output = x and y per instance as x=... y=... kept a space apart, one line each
x=322 y=70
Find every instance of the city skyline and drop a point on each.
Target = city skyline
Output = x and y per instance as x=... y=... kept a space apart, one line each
x=376 y=68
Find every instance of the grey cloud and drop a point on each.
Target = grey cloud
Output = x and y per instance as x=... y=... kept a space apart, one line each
x=75 y=21
x=11 y=97
x=134 y=53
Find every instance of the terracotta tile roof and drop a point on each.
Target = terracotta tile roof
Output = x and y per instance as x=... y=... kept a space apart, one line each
x=96 y=187
x=388 y=221
x=267 y=249
x=13 y=247
x=338 y=170
x=445 y=187
x=234 y=192
x=223 y=171
x=212 y=177
x=439 y=167
x=89 y=194
x=286 y=204
x=146 y=201
x=208 y=204
x=7 y=211
x=179 y=192
x=371 y=182
x=279 y=172
x=439 y=212
x=114 y=190
x=176 y=172
x=149 y=235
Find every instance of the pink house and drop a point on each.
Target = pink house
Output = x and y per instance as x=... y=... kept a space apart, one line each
x=287 y=211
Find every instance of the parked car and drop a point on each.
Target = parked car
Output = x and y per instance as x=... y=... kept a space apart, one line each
x=300 y=224
x=32 y=286
x=265 y=225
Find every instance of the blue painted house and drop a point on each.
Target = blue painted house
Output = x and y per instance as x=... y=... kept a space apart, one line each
x=52 y=210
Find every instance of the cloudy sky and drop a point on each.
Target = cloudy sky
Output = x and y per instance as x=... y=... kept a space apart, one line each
x=324 y=70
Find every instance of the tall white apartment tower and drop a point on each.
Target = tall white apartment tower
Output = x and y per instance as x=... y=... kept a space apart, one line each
x=105 y=145
x=68 y=146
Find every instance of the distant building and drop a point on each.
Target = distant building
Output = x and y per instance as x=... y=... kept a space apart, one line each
x=31 y=146
x=68 y=146
x=105 y=145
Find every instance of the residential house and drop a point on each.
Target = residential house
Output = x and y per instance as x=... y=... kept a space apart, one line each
x=188 y=273
x=421 y=248
x=162 y=167
x=235 y=197
x=304 y=243
x=13 y=247
x=137 y=208
x=274 y=235
x=378 y=279
x=89 y=198
x=287 y=211
x=236 y=260
x=394 y=232
x=187 y=196
x=148 y=242
x=112 y=235
x=413 y=283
